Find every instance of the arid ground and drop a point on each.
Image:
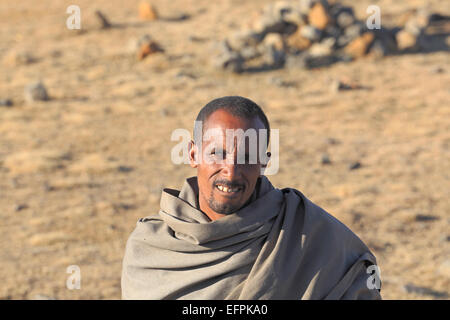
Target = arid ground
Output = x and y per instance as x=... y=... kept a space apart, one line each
x=77 y=171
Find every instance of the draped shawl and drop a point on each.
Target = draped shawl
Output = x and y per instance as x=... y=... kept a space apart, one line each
x=279 y=246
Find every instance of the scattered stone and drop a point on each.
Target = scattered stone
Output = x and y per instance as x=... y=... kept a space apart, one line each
x=354 y=31
x=175 y=17
x=313 y=62
x=246 y=38
x=437 y=69
x=36 y=92
x=345 y=18
x=274 y=58
x=425 y=217
x=124 y=169
x=323 y=48
x=228 y=59
x=332 y=141
x=410 y=288
x=305 y=6
x=147 y=49
x=102 y=21
x=339 y=85
x=378 y=50
x=355 y=165
x=311 y=33
x=406 y=41
x=315 y=33
x=360 y=46
x=21 y=207
x=147 y=11
x=144 y=46
x=325 y=159
x=274 y=40
x=6 y=103
x=318 y=16
x=297 y=41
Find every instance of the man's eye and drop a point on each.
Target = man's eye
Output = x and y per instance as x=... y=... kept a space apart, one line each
x=218 y=152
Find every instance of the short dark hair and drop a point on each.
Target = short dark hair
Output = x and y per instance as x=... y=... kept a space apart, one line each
x=237 y=106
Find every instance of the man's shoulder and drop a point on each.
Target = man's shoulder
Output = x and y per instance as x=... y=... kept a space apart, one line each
x=317 y=223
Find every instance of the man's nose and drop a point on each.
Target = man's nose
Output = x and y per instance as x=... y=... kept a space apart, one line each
x=231 y=169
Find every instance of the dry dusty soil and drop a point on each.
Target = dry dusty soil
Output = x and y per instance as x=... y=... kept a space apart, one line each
x=77 y=171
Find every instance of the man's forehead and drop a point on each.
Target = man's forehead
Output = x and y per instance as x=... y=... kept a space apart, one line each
x=224 y=120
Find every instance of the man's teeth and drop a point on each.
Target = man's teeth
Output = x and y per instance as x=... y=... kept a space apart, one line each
x=225 y=189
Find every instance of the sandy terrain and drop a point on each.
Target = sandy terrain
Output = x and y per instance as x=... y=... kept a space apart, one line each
x=77 y=171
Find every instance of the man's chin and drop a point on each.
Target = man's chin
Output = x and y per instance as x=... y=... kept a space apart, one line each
x=225 y=208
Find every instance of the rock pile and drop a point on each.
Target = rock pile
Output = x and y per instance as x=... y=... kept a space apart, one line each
x=311 y=34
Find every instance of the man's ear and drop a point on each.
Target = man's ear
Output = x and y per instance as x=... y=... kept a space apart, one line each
x=192 y=148
x=264 y=165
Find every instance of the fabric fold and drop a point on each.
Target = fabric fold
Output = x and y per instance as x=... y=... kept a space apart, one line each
x=279 y=246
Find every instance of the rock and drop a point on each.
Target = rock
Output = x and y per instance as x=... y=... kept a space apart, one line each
x=360 y=46
x=248 y=53
x=274 y=40
x=311 y=33
x=272 y=20
x=144 y=46
x=305 y=6
x=355 y=165
x=298 y=41
x=6 y=103
x=406 y=41
x=318 y=16
x=147 y=11
x=147 y=49
x=345 y=18
x=274 y=58
x=323 y=48
x=325 y=159
x=228 y=59
x=425 y=217
x=437 y=70
x=102 y=21
x=20 y=207
x=36 y=92
x=125 y=169
x=378 y=50
x=312 y=62
x=338 y=85
x=387 y=39
x=333 y=32
x=244 y=38
x=354 y=31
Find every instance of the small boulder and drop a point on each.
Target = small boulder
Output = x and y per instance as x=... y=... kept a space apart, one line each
x=360 y=46
x=147 y=11
x=36 y=92
x=406 y=41
x=318 y=16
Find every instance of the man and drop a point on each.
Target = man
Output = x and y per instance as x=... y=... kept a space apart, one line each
x=229 y=234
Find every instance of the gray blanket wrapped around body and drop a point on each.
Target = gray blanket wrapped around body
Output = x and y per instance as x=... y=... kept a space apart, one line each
x=280 y=246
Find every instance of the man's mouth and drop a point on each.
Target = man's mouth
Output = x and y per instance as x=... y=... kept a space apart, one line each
x=228 y=190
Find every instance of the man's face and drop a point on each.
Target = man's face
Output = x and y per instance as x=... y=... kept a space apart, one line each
x=226 y=184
